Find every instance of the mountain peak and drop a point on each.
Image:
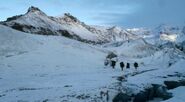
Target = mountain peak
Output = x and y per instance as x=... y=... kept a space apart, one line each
x=33 y=9
x=115 y=29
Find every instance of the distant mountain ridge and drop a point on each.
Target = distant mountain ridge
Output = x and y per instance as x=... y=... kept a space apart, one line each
x=37 y=22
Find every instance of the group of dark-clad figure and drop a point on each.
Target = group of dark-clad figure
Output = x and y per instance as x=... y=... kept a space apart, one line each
x=111 y=60
x=112 y=63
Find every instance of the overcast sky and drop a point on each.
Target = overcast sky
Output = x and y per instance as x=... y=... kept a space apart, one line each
x=125 y=13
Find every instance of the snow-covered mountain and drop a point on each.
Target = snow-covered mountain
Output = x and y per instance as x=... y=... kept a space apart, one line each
x=161 y=34
x=36 y=21
x=169 y=33
x=168 y=29
x=133 y=48
x=143 y=32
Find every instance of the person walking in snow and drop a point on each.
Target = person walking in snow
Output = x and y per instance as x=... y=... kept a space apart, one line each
x=113 y=64
x=136 y=65
x=122 y=65
x=107 y=96
x=104 y=96
x=128 y=65
x=106 y=62
x=101 y=94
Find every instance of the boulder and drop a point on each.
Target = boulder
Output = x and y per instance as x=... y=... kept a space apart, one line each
x=141 y=97
x=121 y=97
x=172 y=84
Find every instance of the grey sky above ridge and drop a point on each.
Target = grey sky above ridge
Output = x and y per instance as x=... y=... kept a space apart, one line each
x=125 y=13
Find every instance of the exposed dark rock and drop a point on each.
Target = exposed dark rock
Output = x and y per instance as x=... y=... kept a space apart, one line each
x=32 y=9
x=137 y=73
x=179 y=46
x=156 y=91
x=65 y=33
x=161 y=92
x=8 y=55
x=68 y=86
x=45 y=31
x=71 y=35
x=141 y=97
x=13 y=18
x=121 y=78
x=111 y=55
x=83 y=96
x=172 y=84
x=18 y=26
x=46 y=100
x=2 y=95
x=36 y=30
x=23 y=89
x=121 y=97
x=70 y=17
x=150 y=93
x=183 y=30
x=182 y=82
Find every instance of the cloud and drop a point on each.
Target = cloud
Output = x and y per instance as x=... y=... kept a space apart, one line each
x=116 y=14
x=155 y=12
x=143 y=13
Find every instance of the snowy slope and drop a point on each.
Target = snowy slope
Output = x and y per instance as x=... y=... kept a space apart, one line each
x=58 y=69
x=156 y=77
x=55 y=68
x=15 y=42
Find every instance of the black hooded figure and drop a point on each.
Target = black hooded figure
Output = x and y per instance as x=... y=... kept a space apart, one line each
x=122 y=65
x=113 y=63
x=128 y=65
x=136 y=65
x=106 y=62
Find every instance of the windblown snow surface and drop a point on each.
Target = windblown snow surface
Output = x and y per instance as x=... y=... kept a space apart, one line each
x=37 y=68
